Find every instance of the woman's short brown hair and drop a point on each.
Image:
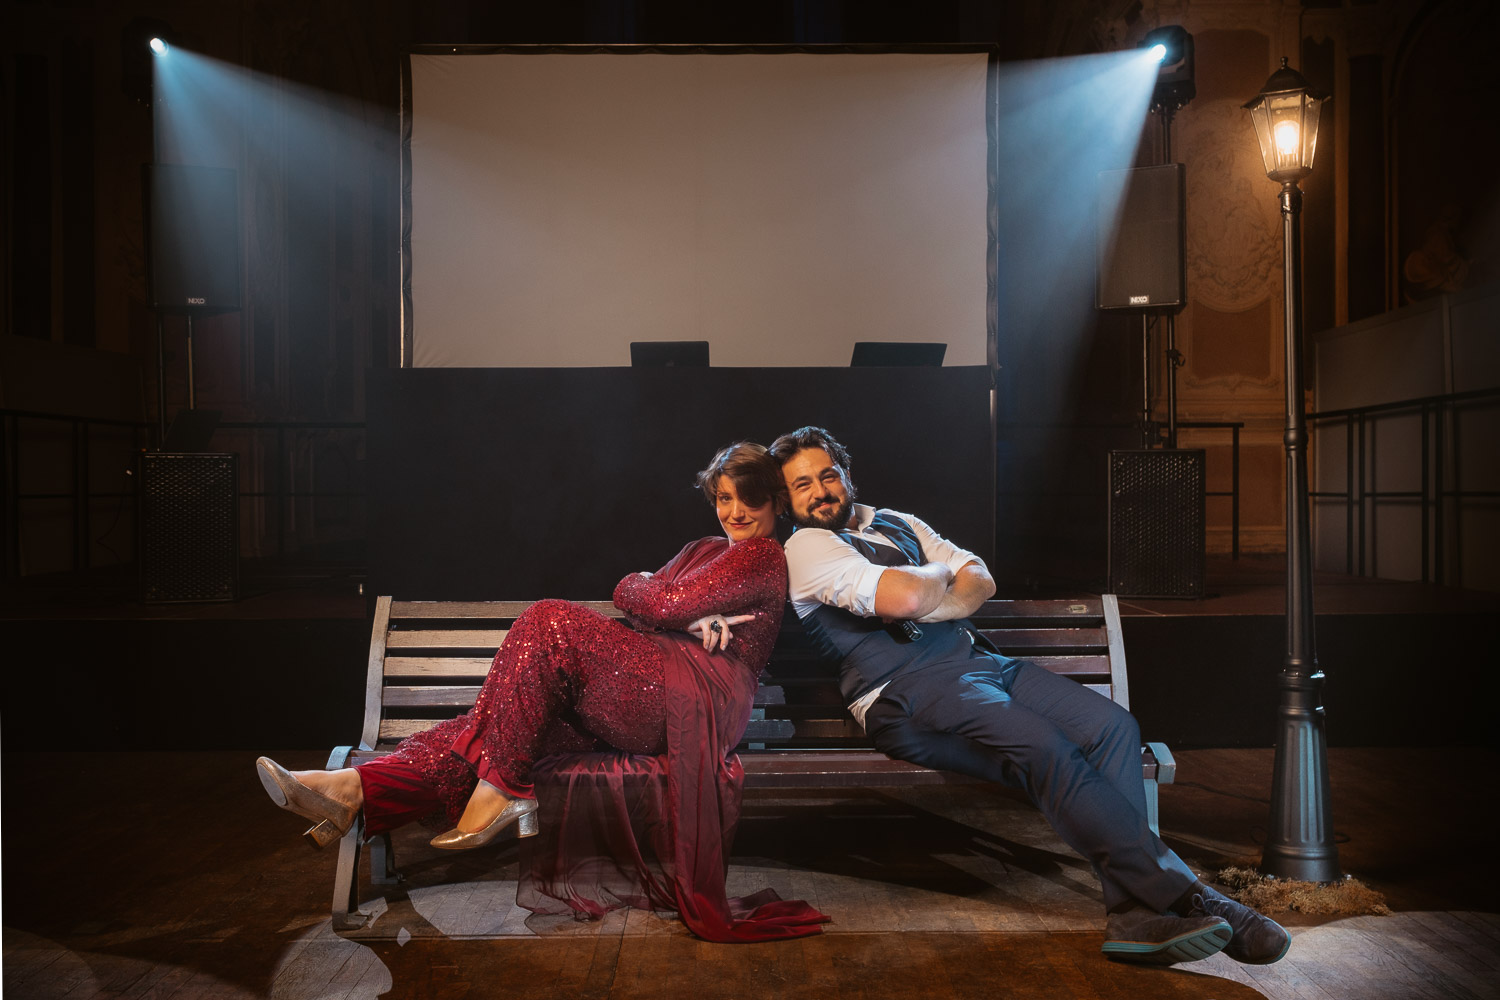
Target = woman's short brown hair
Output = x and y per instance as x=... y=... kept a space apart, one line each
x=755 y=474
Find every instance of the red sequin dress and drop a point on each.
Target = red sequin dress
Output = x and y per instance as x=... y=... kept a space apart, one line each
x=570 y=681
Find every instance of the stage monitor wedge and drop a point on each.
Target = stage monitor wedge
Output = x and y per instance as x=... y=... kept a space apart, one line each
x=894 y=354
x=1141 y=238
x=669 y=354
x=192 y=238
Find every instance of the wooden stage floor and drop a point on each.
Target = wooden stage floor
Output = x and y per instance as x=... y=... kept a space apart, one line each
x=170 y=875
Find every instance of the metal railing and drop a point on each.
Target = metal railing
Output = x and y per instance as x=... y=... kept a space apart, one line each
x=80 y=435
x=1361 y=502
x=82 y=494
x=1233 y=493
x=283 y=494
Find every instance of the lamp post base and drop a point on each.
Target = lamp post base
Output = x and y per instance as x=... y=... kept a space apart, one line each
x=1299 y=837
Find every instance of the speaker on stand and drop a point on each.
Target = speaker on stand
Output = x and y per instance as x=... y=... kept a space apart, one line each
x=1142 y=267
x=192 y=253
x=188 y=497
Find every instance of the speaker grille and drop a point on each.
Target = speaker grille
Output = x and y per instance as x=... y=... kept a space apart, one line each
x=1156 y=523
x=189 y=534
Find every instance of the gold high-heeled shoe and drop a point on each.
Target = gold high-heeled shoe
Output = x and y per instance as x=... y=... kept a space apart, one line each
x=522 y=812
x=331 y=818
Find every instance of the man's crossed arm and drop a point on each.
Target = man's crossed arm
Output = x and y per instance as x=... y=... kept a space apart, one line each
x=933 y=592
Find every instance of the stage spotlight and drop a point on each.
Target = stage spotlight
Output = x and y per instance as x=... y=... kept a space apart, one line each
x=138 y=41
x=1174 y=81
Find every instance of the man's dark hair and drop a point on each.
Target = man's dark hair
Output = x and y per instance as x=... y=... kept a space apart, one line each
x=756 y=476
x=784 y=447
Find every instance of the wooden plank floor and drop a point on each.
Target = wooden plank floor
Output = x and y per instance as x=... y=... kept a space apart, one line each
x=171 y=876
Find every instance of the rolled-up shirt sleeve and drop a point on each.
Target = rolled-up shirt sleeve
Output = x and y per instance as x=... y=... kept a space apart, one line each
x=936 y=548
x=824 y=569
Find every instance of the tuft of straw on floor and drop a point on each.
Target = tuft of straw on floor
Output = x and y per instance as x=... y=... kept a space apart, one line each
x=1346 y=898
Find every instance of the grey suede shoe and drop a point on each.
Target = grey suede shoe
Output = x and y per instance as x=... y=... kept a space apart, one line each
x=331 y=819
x=1142 y=936
x=1258 y=940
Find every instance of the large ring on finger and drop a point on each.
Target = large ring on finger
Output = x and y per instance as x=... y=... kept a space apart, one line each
x=715 y=626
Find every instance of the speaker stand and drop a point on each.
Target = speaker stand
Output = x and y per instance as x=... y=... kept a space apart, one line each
x=1148 y=425
x=161 y=384
x=1166 y=109
x=1174 y=361
x=161 y=378
x=192 y=398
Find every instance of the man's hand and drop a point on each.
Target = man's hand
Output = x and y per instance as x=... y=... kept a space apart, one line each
x=970 y=588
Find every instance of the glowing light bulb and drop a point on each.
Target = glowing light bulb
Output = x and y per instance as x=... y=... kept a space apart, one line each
x=158 y=46
x=1287 y=138
x=1158 y=52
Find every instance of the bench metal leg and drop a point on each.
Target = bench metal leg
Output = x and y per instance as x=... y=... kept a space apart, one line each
x=383 y=861
x=346 y=914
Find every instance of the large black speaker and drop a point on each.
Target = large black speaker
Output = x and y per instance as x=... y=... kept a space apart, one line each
x=1142 y=231
x=189 y=527
x=1156 y=523
x=192 y=237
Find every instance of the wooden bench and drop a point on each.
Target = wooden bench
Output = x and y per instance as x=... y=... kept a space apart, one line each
x=429 y=658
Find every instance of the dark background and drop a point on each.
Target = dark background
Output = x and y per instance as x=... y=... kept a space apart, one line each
x=512 y=484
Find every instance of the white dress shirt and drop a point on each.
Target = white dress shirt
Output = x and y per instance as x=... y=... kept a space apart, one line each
x=825 y=569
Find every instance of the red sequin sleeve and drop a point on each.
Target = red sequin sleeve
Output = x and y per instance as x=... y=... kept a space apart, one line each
x=748 y=578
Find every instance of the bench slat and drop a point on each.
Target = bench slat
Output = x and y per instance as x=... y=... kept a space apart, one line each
x=430 y=696
x=1068 y=608
x=437 y=666
x=1084 y=669
x=463 y=696
x=761 y=730
x=770 y=694
x=396 y=730
x=482 y=609
x=441 y=638
x=1039 y=638
x=858 y=769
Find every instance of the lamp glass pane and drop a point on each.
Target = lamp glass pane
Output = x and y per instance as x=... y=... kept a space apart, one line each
x=1286 y=120
x=1260 y=117
x=1310 y=130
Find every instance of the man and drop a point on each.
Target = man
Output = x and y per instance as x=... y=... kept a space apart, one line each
x=888 y=597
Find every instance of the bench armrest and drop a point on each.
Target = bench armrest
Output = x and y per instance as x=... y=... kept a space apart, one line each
x=1166 y=764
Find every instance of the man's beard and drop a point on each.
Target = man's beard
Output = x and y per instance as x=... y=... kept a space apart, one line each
x=832 y=517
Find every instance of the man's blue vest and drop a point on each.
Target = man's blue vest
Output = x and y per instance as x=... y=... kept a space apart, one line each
x=870 y=651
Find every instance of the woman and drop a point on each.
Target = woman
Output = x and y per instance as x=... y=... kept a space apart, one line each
x=676 y=683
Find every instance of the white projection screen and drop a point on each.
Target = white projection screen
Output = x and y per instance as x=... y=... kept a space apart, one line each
x=780 y=205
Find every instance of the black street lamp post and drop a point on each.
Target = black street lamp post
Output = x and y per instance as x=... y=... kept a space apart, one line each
x=1299 y=838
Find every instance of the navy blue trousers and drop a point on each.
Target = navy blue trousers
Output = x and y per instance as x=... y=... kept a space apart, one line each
x=1075 y=753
